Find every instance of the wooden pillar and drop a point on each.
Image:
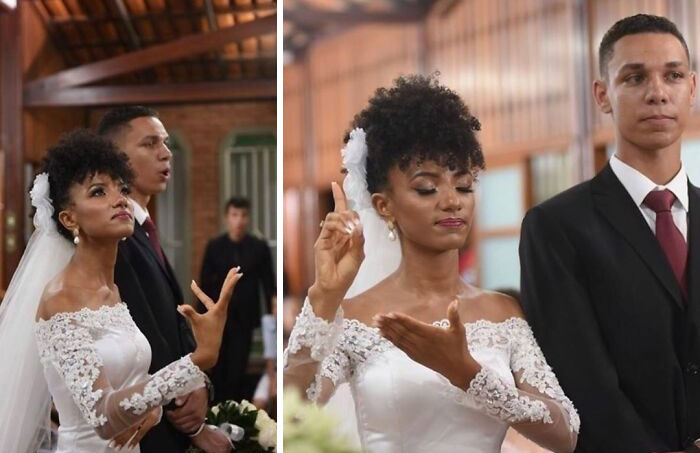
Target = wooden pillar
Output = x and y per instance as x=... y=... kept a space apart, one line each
x=12 y=212
x=309 y=193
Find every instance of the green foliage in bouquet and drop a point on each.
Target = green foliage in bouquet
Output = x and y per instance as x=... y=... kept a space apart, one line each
x=310 y=429
x=260 y=429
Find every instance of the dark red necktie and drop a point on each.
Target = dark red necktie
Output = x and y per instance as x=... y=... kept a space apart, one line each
x=152 y=232
x=670 y=239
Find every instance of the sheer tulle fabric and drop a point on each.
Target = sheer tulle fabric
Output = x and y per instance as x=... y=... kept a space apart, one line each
x=24 y=412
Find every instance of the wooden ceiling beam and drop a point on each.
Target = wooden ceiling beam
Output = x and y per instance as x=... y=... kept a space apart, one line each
x=160 y=15
x=154 y=55
x=240 y=90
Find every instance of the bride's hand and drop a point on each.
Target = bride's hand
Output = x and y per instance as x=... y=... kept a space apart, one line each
x=442 y=350
x=133 y=435
x=338 y=253
x=208 y=328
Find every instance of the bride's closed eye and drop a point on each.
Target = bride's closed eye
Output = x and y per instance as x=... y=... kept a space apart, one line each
x=425 y=190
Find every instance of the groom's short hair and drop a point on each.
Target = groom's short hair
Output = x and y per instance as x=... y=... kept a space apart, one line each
x=639 y=23
x=118 y=118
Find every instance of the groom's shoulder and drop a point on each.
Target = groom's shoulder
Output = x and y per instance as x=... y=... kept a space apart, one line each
x=570 y=204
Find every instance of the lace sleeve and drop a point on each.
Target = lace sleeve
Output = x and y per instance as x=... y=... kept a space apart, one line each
x=536 y=405
x=68 y=346
x=312 y=360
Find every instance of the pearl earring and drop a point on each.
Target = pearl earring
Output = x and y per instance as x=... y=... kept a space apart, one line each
x=76 y=238
x=392 y=233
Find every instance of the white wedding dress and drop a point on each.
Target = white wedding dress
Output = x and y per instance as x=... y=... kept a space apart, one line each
x=402 y=406
x=96 y=366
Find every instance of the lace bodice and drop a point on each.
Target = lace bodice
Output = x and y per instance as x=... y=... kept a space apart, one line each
x=515 y=387
x=96 y=365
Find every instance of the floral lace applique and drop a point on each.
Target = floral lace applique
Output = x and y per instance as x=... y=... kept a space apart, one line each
x=315 y=333
x=64 y=340
x=504 y=402
x=528 y=358
x=356 y=346
x=178 y=378
x=500 y=399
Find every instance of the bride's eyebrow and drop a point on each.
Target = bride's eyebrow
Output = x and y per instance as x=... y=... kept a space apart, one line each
x=424 y=173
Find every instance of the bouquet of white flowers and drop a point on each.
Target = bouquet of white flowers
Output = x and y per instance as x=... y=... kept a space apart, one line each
x=250 y=429
x=310 y=429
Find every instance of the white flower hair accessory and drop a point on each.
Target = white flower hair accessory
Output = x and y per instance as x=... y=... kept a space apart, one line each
x=41 y=201
x=355 y=163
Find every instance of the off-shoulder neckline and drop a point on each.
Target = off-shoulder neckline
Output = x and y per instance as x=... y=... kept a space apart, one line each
x=71 y=314
x=444 y=322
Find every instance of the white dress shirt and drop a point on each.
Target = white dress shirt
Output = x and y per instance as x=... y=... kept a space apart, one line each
x=639 y=186
x=140 y=214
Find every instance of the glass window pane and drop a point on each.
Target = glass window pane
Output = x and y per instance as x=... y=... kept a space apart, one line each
x=551 y=174
x=690 y=155
x=499 y=262
x=500 y=201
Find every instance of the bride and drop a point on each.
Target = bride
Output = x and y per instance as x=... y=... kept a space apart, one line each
x=420 y=383
x=63 y=312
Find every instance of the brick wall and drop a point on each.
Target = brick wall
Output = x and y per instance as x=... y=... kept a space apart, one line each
x=203 y=128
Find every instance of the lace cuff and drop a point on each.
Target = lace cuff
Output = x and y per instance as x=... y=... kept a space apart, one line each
x=505 y=402
x=179 y=378
x=315 y=333
x=312 y=342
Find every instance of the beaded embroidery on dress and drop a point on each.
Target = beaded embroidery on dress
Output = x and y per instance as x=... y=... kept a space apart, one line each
x=397 y=399
x=96 y=365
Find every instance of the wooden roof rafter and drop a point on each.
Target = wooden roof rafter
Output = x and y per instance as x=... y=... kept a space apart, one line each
x=146 y=16
x=151 y=56
x=68 y=86
x=308 y=21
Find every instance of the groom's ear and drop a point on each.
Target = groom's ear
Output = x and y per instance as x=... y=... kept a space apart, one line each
x=67 y=219
x=382 y=205
x=600 y=94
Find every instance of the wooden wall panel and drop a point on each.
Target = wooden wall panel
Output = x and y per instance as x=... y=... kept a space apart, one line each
x=43 y=127
x=344 y=72
x=512 y=63
x=293 y=142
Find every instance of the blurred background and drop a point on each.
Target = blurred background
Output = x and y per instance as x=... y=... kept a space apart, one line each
x=207 y=66
x=525 y=69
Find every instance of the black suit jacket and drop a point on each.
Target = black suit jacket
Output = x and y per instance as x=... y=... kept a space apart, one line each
x=609 y=316
x=152 y=294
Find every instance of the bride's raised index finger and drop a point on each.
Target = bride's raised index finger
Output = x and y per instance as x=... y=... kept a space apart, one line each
x=338 y=198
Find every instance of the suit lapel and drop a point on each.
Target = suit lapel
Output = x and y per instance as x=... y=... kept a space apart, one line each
x=612 y=200
x=143 y=241
x=693 y=271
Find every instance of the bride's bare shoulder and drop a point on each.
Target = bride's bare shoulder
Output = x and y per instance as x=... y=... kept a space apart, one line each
x=57 y=298
x=491 y=305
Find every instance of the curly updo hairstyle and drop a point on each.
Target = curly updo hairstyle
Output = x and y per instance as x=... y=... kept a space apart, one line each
x=77 y=156
x=415 y=120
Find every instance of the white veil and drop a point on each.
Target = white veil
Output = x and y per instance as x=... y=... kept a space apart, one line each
x=382 y=257
x=24 y=396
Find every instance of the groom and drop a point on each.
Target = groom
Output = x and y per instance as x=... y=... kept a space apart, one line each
x=146 y=280
x=611 y=267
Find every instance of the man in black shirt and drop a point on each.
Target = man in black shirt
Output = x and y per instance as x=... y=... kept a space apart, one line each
x=237 y=248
